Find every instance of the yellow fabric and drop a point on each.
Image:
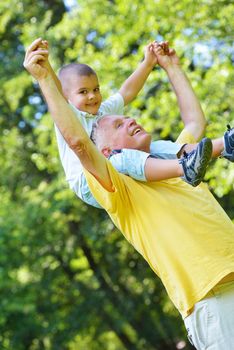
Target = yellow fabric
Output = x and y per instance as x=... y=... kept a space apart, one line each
x=181 y=231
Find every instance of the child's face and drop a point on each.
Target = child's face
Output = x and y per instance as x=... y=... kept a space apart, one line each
x=84 y=93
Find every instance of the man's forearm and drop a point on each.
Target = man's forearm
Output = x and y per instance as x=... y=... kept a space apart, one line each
x=61 y=113
x=190 y=108
x=131 y=87
x=55 y=78
x=74 y=133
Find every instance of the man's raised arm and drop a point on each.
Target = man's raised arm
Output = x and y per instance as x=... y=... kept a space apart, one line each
x=63 y=116
x=190 y=108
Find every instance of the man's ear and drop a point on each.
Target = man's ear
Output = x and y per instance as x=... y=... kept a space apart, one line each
x=106 y=151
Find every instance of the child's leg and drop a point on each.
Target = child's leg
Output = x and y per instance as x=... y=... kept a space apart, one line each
x=218 y=147
x=162 y=169
x=223 y=146
x=192 y=166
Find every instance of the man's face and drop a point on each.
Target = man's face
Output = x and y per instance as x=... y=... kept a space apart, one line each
x=119 y=132
x=84 y=93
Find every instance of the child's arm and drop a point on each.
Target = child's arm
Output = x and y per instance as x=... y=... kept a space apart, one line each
x=131 y=87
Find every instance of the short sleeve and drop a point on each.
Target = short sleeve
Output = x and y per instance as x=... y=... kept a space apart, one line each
x=107 y=200
x=113 y=105
x=130 y=162
x=165 y=149
x=185 y=137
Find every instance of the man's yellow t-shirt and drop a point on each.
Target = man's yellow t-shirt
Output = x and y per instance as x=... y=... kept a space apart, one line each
x=181 y=231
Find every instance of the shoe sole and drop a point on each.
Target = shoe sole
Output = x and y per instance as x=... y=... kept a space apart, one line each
x=206 y=153
x=228 y=144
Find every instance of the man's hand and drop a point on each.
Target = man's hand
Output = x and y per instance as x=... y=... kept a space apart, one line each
x=36 y=59
x=166 y=56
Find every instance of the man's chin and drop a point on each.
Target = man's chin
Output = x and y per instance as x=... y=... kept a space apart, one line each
x=144 y=145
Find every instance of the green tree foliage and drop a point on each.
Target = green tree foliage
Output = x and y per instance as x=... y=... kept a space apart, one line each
x=68 y=279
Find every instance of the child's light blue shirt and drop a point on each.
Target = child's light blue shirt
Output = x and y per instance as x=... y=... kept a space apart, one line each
x=128 y=161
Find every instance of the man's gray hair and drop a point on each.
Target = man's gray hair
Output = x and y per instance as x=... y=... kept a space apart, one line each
x=93 y=135
x=96 y=134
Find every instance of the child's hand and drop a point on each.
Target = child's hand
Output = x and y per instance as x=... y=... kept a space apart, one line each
x=150 y=57
x=166 y=56
x=36 y=59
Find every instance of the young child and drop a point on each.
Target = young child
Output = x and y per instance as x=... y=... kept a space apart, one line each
x=81 y=88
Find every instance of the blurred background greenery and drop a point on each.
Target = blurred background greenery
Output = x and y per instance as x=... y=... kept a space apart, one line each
x=68 y=279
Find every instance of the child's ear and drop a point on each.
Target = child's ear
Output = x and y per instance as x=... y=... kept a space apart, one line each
x=106 y=151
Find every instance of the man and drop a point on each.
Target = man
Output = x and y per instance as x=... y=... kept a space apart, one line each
x=181 y=231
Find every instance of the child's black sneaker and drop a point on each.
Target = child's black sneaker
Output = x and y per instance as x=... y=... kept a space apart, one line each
x=228 y=151
x=195 y=163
